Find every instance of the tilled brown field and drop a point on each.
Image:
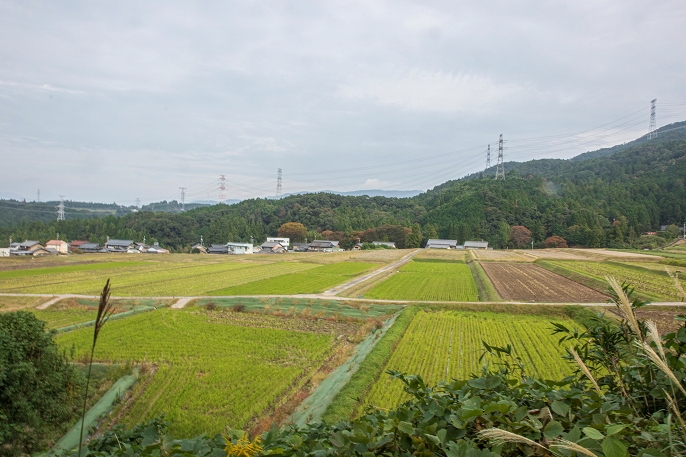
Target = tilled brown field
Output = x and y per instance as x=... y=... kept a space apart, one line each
x=531 y=283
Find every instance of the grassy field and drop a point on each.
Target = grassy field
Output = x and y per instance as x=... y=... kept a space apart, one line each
x=72 y=311
x=312 y=281
x=428 y=279
x=17 y=303
x=304 y=307
x=654 y=284
x=211 y=373
x=441 y=345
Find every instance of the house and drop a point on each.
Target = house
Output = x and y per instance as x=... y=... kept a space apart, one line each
x=239 y=248
x=76 y=244
x=28 y=248
x=388 y=244
x=356 y=247
x=299 y=247
x=441 y=244
x=4 y=252
x=156 y=249
x=58 y=245
x=201 y=249
x=120 y=245
x=285 y=242
x=91 y=247
x=272 y=247
x=324 y=246
x=218 y=249
x=476 y=244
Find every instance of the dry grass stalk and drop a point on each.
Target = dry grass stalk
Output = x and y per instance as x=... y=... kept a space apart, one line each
x=625 y=306
x=498 y=436
x=654 y=336
x=585 y=371
x=675 y=409
x=570 y=446
x=677 y=284
x=660 y=364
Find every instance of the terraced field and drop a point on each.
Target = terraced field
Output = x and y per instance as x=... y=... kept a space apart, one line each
x=447 y=344
x=211 y=373
x=312 y=281
x=653 y=283
x=428 y=280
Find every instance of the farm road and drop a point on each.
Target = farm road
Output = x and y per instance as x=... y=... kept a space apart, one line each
x=353 y=282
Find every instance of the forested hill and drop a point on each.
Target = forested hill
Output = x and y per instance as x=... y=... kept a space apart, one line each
x=603 y=201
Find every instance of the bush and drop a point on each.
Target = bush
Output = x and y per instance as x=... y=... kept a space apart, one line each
x=555 y=242
x=39 y=389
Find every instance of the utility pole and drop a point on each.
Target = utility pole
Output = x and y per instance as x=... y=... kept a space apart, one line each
x=500 y=169
x=183 y=198
x=60 y=209
x=652 y=127
x=278 y=183
x=222 y=188
x=488 y=157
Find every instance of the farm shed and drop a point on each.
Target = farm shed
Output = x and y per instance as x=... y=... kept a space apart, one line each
x=476 y=244
x=299 y=247
x=91 y=247
x=199 y=247
x=76 y=244
x=239 y=248
x=324 y=246
x=119 y=245
x=156 y=249
x=441 y=244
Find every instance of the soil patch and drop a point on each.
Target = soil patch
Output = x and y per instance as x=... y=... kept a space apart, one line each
x=531 y=283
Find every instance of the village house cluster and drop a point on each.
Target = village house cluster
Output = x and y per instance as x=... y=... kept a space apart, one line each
x=55 y=247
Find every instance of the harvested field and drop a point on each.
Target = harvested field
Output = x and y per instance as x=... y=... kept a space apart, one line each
x=17 y=303
x=663 y=316
x=491 y=255
x=448 y=254
x=531 y=283
x=559 y=254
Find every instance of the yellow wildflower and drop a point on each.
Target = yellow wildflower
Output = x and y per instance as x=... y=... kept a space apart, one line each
x=243 y=447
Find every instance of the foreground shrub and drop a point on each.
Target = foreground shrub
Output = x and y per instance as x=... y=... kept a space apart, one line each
x=39 y=389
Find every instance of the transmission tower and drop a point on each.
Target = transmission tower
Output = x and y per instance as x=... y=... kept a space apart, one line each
x=488 y=157
x=222 y=188
x=652 y=133
x=278 y=183
x=60 y=209
x=500 y=169
x=183 y=198
x=138 y=203
x=38 y=199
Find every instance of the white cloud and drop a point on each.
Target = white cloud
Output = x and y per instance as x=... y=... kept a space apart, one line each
x=439 y=91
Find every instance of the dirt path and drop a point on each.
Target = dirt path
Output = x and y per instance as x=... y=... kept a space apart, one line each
x=355 y=281
x=181 y=302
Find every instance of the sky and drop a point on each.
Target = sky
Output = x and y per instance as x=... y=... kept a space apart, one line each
x=113 y=101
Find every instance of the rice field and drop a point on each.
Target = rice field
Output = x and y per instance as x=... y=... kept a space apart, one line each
x=445 y=345
x=653 y=283
x=210 y=373
x=491 y=255
x=312 y=281
x=428 y=280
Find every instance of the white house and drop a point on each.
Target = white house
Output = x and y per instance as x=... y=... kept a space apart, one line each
x=4 y=252
x=285 y=242
x=239 y=248
x=62 y=247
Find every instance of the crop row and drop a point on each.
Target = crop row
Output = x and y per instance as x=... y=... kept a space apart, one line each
x=312 y=281
x=154 y=280
x=648 y=281
x=447 y=345
x=210 y=375
x=428 y=281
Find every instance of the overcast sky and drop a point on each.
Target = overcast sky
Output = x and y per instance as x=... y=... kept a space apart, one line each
x=113 y=101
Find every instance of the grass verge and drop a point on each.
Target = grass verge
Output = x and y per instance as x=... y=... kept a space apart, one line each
x=483 y=284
